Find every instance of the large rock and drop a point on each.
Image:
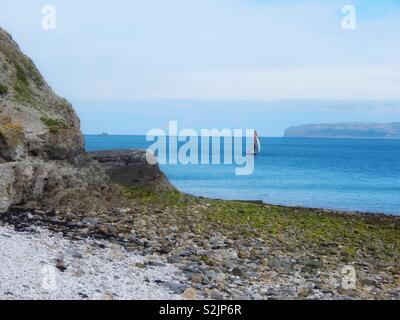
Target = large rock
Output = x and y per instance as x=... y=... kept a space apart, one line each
x=80 y=185
x=42 y=159
x=130 y=168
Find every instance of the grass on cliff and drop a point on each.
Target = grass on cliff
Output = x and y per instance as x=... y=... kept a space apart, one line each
x=3 y=89
x=32 y=71
x=346 y=236
x=54 y=125
x=24 y=93
x=25 y=70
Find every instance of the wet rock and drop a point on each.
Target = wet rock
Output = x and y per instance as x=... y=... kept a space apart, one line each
x=177 y=288
x=368 y=281
x=304 y=292
x=174 y=259
x=256 y=296
x=314 y=264
x=216 y=295
x=237 y=272
x=156 y=264
x=196 y=279
x=281 y=265
x=107 y=296
x=60 y=264
x=189 y=294
x=395 y=293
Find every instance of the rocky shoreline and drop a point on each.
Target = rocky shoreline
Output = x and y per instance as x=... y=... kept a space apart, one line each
x=116 y=203
x=237 y=250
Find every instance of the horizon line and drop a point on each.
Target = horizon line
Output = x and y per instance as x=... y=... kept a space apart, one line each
x=235 y=100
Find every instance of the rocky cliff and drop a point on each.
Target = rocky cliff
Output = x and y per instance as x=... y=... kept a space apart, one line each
x=345 y=130
x=34 y=120
x=42 y=159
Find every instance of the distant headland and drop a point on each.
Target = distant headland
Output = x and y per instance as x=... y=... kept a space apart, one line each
x=346 y=130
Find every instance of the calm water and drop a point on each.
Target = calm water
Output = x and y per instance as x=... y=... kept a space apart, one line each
x=352 y=174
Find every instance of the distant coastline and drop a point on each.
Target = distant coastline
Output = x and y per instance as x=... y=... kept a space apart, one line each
x=353 y=130
x=341 y=137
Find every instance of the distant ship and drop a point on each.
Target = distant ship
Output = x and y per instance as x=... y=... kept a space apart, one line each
x=103 y=134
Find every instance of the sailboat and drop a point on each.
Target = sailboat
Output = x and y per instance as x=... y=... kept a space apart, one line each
x=257 y=145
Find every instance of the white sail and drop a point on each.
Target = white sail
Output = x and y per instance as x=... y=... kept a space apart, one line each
x=257 y=144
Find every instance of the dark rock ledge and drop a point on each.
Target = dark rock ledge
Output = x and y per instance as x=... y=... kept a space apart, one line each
x=129 y=168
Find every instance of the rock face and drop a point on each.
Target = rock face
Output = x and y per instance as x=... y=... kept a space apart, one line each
x=42 y=159
x=345 y=130
x=130 y=168
x=34 y=121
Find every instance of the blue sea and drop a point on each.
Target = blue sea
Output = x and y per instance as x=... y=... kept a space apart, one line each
x=345 y=174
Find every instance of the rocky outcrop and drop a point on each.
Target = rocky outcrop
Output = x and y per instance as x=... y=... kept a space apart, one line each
x=34 y=121
x=130 y=168
x=345 y=130
x=42 y=159
x=78 y=185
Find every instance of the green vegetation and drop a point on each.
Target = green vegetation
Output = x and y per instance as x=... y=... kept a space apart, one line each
x=159 y=199
x=54 y=125
x=24 y=93
x=346 y=237
x=353 y=234
x=64 y=104
x=20 y=73
x=3 y=89
x=32 y=71
x=24 y=71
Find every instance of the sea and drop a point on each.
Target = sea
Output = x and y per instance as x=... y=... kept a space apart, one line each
x=342 y=174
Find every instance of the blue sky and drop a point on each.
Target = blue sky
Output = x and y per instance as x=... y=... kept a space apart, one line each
x=113 y=52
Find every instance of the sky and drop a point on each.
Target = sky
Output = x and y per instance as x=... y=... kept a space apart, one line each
x=224 y=63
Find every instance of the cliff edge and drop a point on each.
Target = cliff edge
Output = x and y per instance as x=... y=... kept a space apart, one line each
x=42 y=158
